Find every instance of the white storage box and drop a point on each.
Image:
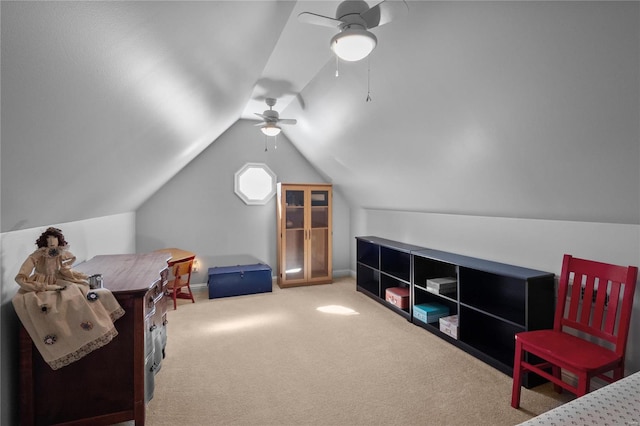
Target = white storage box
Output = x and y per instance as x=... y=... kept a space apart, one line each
x=449 y=325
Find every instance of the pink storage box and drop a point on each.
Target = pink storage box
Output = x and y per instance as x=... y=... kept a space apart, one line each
x=398 y=296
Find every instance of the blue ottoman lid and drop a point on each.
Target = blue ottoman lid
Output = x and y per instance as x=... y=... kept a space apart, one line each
x=239 y=268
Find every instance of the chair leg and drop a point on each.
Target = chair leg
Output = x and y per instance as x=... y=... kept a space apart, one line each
x=517 y=376
x=557 y=373
x=174 y=294
x=584 y=382
x=191 y=294
x=618 y=372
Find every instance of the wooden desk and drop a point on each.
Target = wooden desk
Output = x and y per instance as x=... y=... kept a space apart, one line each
x=177 y=255
x=114 y=383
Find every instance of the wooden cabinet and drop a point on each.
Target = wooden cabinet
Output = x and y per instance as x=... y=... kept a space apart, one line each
x=114 y=383
x=493 y=301
x=304 y=234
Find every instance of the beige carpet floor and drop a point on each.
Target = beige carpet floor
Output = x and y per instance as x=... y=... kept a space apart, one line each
x=275 y=359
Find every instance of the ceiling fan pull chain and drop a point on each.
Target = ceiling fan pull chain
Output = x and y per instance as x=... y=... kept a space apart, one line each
x=275 y=142
x=337 y=66
x=265 y=143
x=368 y=80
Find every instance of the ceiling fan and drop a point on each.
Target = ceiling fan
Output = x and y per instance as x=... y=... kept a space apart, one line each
x=354 y=18
x=271 y=119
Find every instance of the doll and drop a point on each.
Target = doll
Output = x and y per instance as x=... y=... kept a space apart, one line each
x=64 y=317
x=49 y=267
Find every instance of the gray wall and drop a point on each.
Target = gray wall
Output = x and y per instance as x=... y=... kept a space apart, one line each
x=198 y=210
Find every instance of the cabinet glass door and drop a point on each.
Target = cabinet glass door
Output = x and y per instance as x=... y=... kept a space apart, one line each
x=319 y=250
x=294 y=240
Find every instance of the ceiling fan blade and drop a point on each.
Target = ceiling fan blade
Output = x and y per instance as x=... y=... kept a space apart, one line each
x=261 y=116
x=315 y=19
x=287 y=121
x=261 y=123
x=384 y=12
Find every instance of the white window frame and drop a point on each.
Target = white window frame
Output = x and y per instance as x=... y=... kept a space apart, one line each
x=255 y=183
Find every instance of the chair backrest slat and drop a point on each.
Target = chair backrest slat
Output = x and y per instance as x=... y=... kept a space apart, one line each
x=576 y=295
x=598 y=298
x=611 y=301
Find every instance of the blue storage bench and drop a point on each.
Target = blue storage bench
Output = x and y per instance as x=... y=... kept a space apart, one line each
x=237 y=276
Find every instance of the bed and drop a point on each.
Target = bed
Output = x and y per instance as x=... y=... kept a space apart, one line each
x=615 y=404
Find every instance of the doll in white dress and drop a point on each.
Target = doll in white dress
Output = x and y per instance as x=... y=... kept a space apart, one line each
x=64 y=317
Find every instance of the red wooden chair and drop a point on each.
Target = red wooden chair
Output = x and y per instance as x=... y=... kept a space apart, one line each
x=594 y=303
x=181 y=279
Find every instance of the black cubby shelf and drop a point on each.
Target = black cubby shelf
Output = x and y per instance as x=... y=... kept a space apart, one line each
x=493 y=301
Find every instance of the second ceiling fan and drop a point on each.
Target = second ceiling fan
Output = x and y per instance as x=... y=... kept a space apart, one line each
x=270 y=125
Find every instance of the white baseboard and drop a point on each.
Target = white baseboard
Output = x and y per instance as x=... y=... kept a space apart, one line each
x=342 y=273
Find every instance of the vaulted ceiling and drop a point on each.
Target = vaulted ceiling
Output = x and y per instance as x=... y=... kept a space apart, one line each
x=477 y=107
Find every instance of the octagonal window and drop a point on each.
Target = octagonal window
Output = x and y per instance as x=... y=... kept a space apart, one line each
x=255 y=183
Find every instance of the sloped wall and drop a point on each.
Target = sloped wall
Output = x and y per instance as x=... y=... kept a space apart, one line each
x=488 y=108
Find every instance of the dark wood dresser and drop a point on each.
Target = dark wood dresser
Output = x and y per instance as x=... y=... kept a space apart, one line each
x=114 y=383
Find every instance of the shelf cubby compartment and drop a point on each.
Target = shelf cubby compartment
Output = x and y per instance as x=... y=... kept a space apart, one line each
x=498 y=295
x=491 y=336
x=319 y=217
x=389 y=281
x=396 y=263
x=423 y=296
x=420 y=296
x=427 y=269
x=368 y=279
x=368 y=253
x=295 y=218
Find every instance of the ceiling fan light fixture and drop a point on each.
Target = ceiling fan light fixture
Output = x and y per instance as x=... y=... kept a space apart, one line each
x=270 y=129
x=353 y=44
